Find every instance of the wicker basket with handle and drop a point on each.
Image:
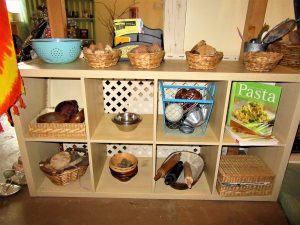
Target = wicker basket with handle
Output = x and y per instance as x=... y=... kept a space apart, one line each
x=197 y=166
x=102 y=60
x=261 y=61
x=146 y=60
x=202 y=62
x=244 y=175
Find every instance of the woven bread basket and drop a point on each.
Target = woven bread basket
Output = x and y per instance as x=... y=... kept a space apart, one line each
x=291 y=53
x=146 y=60
x=201 y=62
x=66 y=175
x=261 y=61
x=102 y=60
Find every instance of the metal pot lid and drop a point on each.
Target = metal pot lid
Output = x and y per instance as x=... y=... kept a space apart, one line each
x=279 y=31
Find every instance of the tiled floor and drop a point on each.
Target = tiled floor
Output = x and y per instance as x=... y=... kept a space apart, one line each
x=9 y=149
x=21 y=209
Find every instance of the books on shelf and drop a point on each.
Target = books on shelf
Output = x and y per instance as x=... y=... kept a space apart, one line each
x=244 y=139
x=252 y=112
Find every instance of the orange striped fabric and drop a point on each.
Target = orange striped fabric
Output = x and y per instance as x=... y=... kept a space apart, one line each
x=11 y=86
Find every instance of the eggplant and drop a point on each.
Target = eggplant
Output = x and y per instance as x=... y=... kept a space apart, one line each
x=69 y=108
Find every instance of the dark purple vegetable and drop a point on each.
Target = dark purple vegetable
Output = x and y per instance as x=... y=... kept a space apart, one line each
x=52 y=117
x=68 y=108
x=78 y=117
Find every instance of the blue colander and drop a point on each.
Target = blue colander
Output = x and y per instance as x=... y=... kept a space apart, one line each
x=57 y=50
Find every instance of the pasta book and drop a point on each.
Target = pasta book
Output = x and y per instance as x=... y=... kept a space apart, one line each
x=252 y=109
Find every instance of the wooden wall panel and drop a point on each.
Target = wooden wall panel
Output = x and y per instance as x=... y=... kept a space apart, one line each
x=254 y=20
x=57 y=18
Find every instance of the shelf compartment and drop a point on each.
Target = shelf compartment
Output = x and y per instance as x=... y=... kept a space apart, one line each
x=40 y=151
x=107 y=131
x=51 y=92
x=213 y=131
x=105 y=98
x=140 y=183
x=82 y=187
x=204 y=186
x=106 y=183
x=200 y=188
x=285 y=114
x=272 y=156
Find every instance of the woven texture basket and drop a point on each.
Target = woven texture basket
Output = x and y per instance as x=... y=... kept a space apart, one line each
x=261 y=61
x=66 y=176
x=291 y=53
x=102 y=60
x=146 y=60
x=244 y=175
x=55 y=129
x=200 y=62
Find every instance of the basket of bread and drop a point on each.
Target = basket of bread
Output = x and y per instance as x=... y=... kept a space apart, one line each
x=65 y=166
x=100 y=56
x=261 y=61
x=203 y=57
x=146 y=57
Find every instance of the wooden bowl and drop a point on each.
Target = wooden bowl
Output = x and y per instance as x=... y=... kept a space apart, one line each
x=123 y=177
x=52 y=117
x=115 y=161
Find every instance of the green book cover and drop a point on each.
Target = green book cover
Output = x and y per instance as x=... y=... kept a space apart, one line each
x=252 y=107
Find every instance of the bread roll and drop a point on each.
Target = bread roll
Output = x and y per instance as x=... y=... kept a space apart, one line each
x=60 y=160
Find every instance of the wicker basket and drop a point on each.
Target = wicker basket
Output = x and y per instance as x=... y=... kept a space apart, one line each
x=200 y=62
x=244 y=175
x=66 y=176
x=102 y=60
x=146 y=60
x=261 y=61
x=291 y=53
x=55 y=129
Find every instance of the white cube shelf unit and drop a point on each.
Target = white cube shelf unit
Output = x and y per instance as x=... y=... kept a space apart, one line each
x=104 y=92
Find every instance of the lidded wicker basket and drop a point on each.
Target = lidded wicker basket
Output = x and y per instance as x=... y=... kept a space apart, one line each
x=146 y=60
x=244 y=175
x=203 y=62
x=261 y=61
x=102 y=60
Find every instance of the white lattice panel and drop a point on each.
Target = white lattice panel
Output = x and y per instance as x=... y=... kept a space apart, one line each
x=164 y=150
x=140 y=150
x=128 y=95
x=146 y=150
x=137 y=150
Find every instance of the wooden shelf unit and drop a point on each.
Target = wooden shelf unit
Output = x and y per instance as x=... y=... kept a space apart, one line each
x=98 y=182
x=82 y=22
